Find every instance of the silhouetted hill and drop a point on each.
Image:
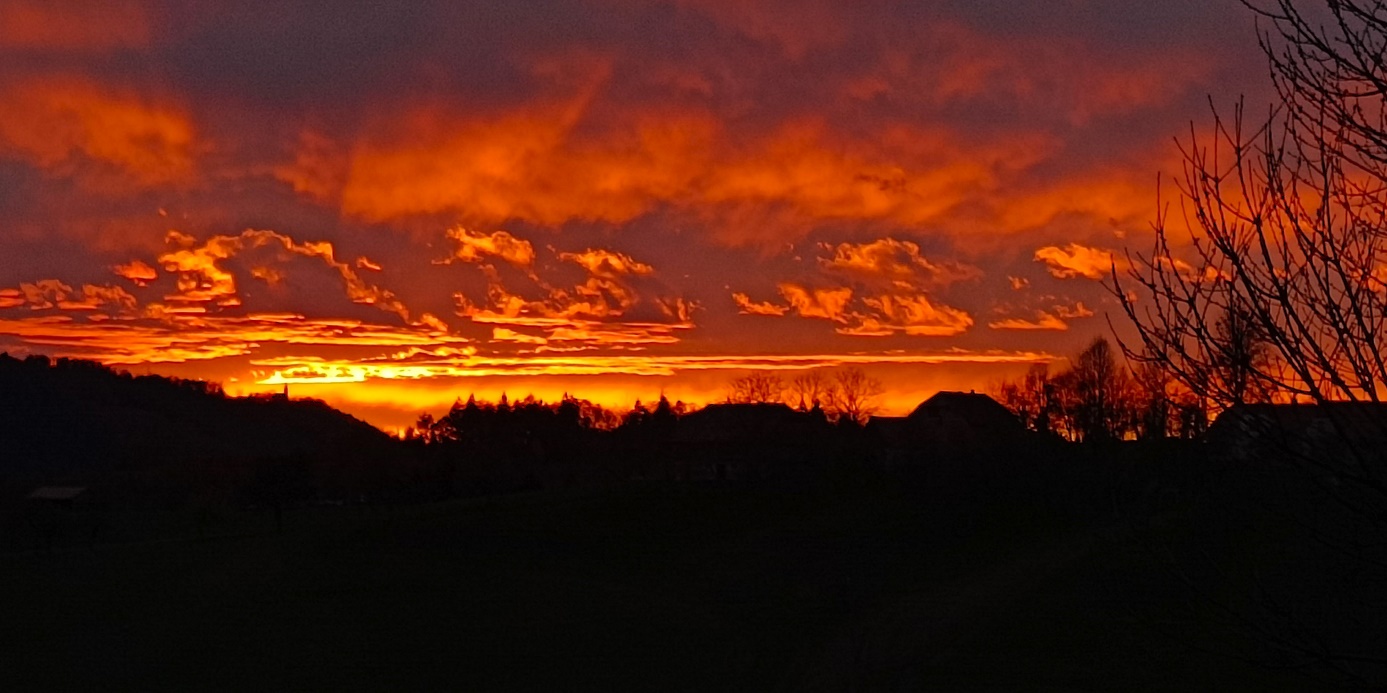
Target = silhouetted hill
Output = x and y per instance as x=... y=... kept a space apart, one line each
x=77 y=421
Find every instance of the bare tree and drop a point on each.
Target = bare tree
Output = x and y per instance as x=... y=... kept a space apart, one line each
x=811 y=389
x=756 y=387
x=854 y=395
x=1288 y=221
x=1240 y=358
x=1094 y=396
x=1273 y=284
x=1094 y=399
x=1156 y=408
x=1032 y=398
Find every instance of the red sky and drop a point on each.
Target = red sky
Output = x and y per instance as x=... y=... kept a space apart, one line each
x=393 y=206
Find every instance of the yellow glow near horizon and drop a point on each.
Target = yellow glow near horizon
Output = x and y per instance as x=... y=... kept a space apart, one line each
x=392 y=404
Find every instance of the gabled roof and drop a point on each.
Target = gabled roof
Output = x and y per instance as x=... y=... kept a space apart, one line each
x=739 y=422
x=977 y=410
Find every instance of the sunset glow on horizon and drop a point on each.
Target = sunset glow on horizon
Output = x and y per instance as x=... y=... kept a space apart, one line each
x=390 y=208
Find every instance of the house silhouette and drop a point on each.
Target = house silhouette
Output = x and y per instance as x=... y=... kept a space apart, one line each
x=743 y=441
x=949 y=423
x=1328 y=433
x=964 y=419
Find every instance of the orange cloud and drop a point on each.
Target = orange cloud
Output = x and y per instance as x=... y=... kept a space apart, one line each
x=605 y=263
x=44 y=294
x=173 y=337
x=746 y=306
x=894 y=301
x=1113 y=197
x=572 y=322
x=616 y=336
x=551 y=163
x=533 y=163
x=473 y=246
x=502 y=334
x=555 y=162
x=51 y=294
x=913 y=315
x=430 y=321
x=1078 y=310
x=136 y=271
x=202 y=278
x=1053 y=319
x=1042 y=321
x=1076 y=260
x=572 y=155
x=112 y=299
x=829 y=304
x=678 y=308
x=1188 y=272
x=319 y=168
x=892 y=262
x=593 y=313
x=62 y=123
x=804 y=173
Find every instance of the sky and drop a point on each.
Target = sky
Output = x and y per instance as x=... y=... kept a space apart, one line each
x=389 y=206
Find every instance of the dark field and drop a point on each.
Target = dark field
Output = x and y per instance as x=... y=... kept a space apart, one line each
x=653 y=587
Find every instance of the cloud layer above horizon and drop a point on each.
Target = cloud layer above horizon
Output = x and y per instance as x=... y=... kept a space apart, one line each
x=353 y=193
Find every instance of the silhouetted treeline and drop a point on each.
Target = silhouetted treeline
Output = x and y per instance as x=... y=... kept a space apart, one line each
x=482 y=447
x=155 y=439
x=1099 y=398
x=158 y=440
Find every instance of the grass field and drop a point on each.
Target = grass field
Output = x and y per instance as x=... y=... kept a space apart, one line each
x=640 y=588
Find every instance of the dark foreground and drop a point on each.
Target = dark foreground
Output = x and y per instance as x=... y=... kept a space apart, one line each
x=863 y=586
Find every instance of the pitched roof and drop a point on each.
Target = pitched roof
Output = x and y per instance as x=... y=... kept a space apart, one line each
x=738 y=421
x=978 y=410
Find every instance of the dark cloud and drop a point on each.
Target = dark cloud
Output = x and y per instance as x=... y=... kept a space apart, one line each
x=920 y=154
